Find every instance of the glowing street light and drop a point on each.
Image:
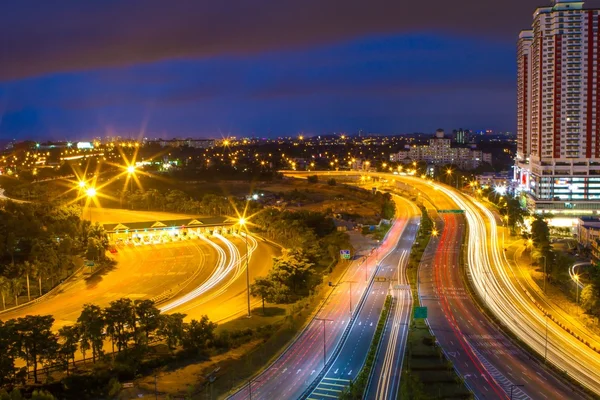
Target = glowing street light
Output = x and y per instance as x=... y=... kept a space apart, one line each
x=242 y=223
x=81 y=184
x=91 y=193
x=130 y=169
x=434 y=232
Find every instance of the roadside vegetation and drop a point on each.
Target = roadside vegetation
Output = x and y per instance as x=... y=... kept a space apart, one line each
x=33 y=357
x=42 y=244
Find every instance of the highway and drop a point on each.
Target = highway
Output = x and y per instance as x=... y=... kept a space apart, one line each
x=289 y=376
x=352 y=356
x=483 y=355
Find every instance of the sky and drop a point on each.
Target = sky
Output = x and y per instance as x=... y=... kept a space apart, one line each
x=195 y=68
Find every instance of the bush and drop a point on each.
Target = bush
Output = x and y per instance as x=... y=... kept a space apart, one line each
x=331 y=182
x=313 y=179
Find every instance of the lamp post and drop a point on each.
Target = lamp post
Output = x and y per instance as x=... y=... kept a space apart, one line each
x=324 y=339
x=242 y=223
x=130 y=172
x=576 y=279
x=545 y=275
x=91 y=193
x=546 y=345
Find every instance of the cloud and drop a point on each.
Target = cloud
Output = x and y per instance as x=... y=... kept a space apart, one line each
x=42 y=37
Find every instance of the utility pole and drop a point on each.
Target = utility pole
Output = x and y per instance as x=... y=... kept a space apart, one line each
x=324 y=339
x=546 y=346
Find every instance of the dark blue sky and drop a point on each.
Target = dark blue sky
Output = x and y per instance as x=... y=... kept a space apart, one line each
x=81 y=70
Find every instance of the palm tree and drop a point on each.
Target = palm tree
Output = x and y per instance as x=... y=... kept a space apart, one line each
x=4 y=289
x=29 y=269
x=16 y=285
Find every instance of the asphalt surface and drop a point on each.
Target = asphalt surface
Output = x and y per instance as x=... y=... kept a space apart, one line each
x=292 y=373
x=353 y=354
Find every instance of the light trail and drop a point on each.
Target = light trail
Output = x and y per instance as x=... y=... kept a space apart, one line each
x=514 y=306
x=387 y=384
x=223 y=269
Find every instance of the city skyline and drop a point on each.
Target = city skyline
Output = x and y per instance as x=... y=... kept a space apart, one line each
x=386 y=69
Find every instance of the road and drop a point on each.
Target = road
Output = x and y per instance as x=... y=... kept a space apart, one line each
x=173 y=270
x=482 y=353
x=141 y=272
x=291 y=374
x=352 y=356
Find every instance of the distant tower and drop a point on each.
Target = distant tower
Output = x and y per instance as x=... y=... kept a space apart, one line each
x=439 y=134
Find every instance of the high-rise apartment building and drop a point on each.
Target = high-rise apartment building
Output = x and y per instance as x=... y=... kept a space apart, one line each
x=558 y=85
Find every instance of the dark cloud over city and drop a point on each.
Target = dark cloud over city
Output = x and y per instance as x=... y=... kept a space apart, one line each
x=268 y=67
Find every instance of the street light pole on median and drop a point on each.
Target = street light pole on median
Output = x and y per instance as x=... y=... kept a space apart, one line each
x=324 y=340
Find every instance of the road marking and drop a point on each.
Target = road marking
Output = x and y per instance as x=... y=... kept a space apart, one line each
x=350 y=372
x=284 y=370
x=297 y=372
x=313 y=371
x=336 y=370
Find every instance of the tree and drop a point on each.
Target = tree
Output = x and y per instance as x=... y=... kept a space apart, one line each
x=28 y=268
x=263 y=288
x=4 y=289
x=148 y=317
x=589 y=301
x=292 y=269
x=91 y=325
x=37 y=342
x=15 y=287
x=313 y=179
x=540 y=233
x=8 y=351
x=70 y=342
x=197 y=334
x=171 y=328
x=120 y=321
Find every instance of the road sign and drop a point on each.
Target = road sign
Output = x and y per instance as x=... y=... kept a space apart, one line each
x=451 y=211
x=381 y=279
x=420 y=312
x=89 y=263
x=345 y=254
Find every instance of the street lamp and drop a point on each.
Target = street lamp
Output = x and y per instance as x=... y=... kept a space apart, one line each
x=91 y=193
x=324 y=339
x=576 y=279
x=130 y=172
x=242 y=222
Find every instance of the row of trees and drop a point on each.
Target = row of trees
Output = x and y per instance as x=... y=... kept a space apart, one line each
x=39 y=244
x=124 y=323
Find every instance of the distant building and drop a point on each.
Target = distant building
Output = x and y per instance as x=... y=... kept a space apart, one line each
x=588 y=235
x=461 y=136
x=440 y=152
x=194 y=143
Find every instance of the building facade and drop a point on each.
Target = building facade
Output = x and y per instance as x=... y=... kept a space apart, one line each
x=558 y=109
x=440 y=152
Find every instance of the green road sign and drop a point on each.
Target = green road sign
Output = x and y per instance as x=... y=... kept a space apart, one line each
x=451 y=211
x=420 y=312
x=89 y=263
x=345 y=254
